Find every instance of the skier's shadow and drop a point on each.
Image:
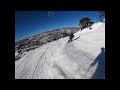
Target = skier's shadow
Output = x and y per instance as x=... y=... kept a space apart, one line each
x=100 y=70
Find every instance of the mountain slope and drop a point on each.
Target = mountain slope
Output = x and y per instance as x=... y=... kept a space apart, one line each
x=31 y=43
x=80 y=59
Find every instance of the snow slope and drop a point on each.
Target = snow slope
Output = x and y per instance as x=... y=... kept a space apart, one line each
x=80 y=59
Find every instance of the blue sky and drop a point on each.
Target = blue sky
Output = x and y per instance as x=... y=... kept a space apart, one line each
x=30 y=23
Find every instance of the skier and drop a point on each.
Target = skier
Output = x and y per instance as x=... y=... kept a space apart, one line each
x=71 y=37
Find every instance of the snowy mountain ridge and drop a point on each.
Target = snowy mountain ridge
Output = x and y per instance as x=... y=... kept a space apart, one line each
x=36 y=41
x=82 y=58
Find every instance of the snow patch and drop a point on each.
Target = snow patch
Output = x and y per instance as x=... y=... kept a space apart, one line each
x=62 y=60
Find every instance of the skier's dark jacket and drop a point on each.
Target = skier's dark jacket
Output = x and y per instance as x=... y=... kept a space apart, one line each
x=71 y=35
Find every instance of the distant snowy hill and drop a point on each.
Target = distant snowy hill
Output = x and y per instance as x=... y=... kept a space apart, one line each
x=36 y=41
x=83 y=58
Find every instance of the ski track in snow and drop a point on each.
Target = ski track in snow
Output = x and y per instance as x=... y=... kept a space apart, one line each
x=62 y=60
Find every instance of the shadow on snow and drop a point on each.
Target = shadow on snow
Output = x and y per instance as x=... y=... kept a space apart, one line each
x=100 y=70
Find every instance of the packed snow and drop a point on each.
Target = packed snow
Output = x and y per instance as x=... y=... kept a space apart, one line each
x=83 y=58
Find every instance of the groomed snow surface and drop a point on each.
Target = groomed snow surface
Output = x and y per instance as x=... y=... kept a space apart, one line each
x=83 y=58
